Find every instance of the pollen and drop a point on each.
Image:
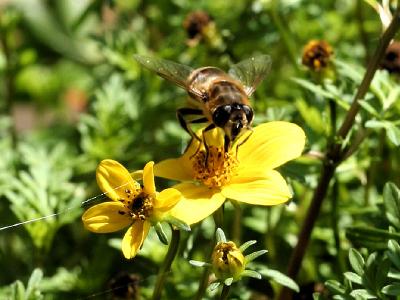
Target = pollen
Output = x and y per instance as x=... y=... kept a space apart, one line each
x=140 y=206
x=214 y=168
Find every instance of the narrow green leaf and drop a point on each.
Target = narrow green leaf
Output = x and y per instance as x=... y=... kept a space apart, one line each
x=252 y=274
x=394 y=253
x=363 y=294
x=220 y=236
x=356 y=261
x=353 y=277
x=392 y=289
x=335 y=287
x=393 y=133
x=33 y=282
x=391 y=199
x=197 y=263
x=178 y=223
x=228 y=281
x=280 y=278
x=254 y=255
x=246 y=245
x=161 y=234
x=213 y=286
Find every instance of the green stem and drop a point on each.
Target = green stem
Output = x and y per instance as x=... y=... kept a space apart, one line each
x=204 y=280
x=286 y=36
x=225 y=292
x=166 y=266
x=335 y=155
x=237 y=223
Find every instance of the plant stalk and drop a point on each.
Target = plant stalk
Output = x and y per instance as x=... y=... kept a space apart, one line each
x=225 y=292
x=166 y=266
x=334 y=156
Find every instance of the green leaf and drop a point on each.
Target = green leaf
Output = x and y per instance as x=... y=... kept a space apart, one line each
x=252 y=274
x=363 y=294
x=213 y=286
x=246 y=245
x=394 y=253
x=254 y=255
x=161 y=234
x=335 y=287
x=197 y=263
x=391 y=199
x=392 y=289
x=370 y=237
x=356 y=261
x=228 y=281
x=220 y=236
x=369 y=108
x=353 y=277
x=393 y=133
x=33 y=284
x=178 y=223
x=280 y=278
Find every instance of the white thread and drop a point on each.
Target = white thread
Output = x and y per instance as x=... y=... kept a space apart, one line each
x=59 y=213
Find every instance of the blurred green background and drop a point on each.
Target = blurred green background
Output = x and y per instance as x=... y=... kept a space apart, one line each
x=71 y=95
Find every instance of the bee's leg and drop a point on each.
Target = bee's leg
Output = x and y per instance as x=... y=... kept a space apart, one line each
x=209 y=127
x=244 y=141
x=227 y=143
x=181 y=113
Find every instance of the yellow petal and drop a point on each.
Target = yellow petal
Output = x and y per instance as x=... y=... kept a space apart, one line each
x=114 y=180
x=106 y=217
x=271 y=190
x=271 y=145
x=134 y=238
x=148 y=178
x=175 y=168
x=167 y=198
x=198 y=203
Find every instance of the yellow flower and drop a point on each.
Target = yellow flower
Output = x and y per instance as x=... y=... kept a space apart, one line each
x=246 y=176
x=132 y=205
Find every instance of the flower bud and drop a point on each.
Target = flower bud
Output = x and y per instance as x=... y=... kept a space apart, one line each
x=227 y=261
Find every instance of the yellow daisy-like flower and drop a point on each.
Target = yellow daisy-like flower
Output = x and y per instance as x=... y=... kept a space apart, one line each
x=246 y=176
x=132 y=205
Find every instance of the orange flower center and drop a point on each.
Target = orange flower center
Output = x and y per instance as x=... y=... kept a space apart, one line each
x=140 y=206
x=215 y=168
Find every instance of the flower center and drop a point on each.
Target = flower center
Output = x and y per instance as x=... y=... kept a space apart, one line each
x=140 y=206
x=215 y=168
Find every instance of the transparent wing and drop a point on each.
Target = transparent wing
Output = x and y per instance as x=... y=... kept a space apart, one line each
x=169 y=70
x=251 y=71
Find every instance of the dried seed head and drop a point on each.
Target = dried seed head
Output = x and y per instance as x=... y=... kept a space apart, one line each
x=317 y=55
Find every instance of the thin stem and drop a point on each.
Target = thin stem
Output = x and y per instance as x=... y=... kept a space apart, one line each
x=287 y=38
x=369 y=75
x=335 y=155
x=204 y=280
x=237 y=222
x=8 y=82
x=225 y=292
x=166 y=266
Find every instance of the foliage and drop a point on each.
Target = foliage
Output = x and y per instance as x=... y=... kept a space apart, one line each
x=71 y=95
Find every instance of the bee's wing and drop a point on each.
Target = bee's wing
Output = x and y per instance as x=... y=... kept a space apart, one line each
x=251 y=72
x=174 y=72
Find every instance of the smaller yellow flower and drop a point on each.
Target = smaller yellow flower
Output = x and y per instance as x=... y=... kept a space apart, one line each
x=132 y=205
x=227 y=261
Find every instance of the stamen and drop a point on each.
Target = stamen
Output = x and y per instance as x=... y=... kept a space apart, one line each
x=215 y=168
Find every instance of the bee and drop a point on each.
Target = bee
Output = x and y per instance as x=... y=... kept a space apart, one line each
x=220 y=99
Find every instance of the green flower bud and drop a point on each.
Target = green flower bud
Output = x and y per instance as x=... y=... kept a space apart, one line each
x=227 y=261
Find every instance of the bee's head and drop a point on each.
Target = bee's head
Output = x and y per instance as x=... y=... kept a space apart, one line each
x=233 y=118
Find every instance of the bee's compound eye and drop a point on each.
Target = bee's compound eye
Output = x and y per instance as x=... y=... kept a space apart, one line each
x=249 y=113
x=221 y=115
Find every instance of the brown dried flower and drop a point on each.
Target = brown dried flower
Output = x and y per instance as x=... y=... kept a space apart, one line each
x=317 y=55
